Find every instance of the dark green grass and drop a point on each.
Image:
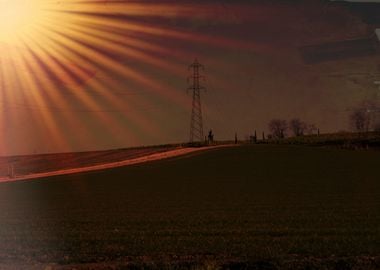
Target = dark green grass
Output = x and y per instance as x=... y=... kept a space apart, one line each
x=246 y=203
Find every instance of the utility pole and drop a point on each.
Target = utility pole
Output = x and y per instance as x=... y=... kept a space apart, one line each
x=196 y=123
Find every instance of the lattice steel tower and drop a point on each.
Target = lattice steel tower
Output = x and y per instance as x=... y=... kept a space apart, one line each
x=196 y=123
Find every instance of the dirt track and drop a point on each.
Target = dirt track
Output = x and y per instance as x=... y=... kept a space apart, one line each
x=98 y=162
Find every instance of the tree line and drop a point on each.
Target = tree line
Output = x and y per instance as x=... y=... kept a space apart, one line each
x=280 y=128
x=364 y=118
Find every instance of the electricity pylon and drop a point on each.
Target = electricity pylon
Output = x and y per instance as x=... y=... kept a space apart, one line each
x=196 y=123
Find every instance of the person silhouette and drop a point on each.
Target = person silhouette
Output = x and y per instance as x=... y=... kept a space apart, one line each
x=210 y=136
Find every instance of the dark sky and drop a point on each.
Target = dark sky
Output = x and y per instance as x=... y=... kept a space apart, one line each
x=133 y=68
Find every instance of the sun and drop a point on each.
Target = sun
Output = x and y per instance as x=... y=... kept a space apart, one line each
x=17 y=17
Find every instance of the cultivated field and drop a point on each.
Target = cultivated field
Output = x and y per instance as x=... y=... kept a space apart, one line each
x=260 y=207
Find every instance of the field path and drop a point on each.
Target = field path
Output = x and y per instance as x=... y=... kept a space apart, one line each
x=110 y=165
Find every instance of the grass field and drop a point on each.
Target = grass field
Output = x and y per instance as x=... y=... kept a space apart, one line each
x=260 y=206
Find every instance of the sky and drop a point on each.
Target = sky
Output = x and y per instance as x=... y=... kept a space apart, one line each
x=362 y=1
x=91 y=75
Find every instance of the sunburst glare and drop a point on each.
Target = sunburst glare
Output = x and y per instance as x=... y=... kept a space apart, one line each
x=60 y=58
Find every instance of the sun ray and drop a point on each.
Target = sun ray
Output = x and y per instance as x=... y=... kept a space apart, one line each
x=44 y=118
x=86 y=98
x=87 y=101
x=150 y=29
x=112 y=101
x=98 y=38
x=67 y=61
x=91 y=53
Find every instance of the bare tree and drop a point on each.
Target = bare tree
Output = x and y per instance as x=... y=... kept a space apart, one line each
x=278 y=128
x=360 y=120
x=298 y=127
x=311 y=129
x=365 y=117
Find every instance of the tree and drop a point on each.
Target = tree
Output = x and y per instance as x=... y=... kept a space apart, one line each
x=360 y=120
x=311 y=129
x=365 y=117
x=278 y=128
x=298 y=127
